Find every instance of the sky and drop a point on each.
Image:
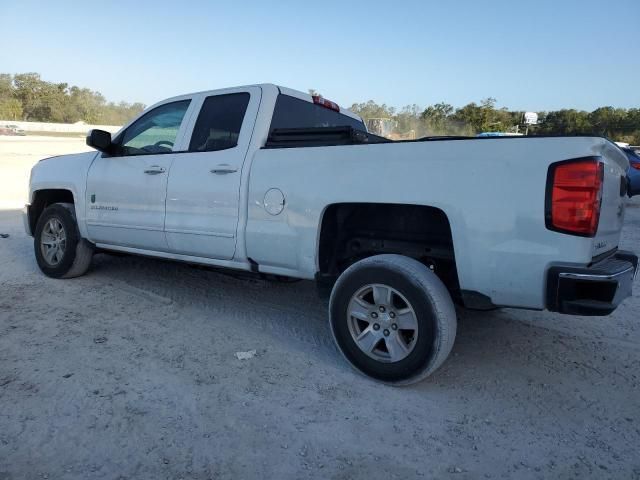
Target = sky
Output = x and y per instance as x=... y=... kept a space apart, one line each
x=529 y=55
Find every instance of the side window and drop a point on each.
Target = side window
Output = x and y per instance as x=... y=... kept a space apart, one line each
x=154 y=132
x=219 y=122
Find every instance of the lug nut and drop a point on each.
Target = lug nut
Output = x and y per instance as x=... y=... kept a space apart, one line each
x=376 y=326
x=386 y=332
x=374 y=315
x=392 y=314
x=394 y=327
x=382 y=308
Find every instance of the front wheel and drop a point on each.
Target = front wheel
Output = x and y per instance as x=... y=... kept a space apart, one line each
x=392 y=318
x=60 y=250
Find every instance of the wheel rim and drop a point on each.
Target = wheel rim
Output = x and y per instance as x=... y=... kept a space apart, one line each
x=53 y=242
x=382 y=323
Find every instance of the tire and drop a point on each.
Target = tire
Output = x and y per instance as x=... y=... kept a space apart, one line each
x=412 y=333
x=73 y=255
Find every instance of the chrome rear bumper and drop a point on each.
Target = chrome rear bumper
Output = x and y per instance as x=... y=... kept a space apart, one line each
x=593 y=290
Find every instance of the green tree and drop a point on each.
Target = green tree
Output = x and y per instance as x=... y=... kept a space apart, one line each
x=6 y=86
x=607 y=120
x=371 y=109
x=438 y=116
x=566 y=122
x=27 y=96
x=10 y=109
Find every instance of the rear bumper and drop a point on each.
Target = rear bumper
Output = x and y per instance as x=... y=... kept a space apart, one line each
x=594 y=290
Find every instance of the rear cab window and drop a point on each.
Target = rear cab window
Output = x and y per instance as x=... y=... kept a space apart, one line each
x=291 y=112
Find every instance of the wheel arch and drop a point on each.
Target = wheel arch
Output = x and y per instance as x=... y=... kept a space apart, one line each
x=44 y=197
x=350 y=231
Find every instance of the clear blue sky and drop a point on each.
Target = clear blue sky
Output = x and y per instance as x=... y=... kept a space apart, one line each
x=536 y=54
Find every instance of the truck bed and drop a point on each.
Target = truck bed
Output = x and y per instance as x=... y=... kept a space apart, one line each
x=492 y=191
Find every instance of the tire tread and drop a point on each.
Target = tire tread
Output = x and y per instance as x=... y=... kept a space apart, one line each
x=435 y=292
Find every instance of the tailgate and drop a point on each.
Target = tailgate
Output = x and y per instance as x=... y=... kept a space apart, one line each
x=613 y=198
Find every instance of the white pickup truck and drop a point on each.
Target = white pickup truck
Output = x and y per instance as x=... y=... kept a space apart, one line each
x=274 y=181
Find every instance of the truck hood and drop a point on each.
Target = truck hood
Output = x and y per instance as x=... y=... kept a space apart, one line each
x=71 y=158
x=58 y=167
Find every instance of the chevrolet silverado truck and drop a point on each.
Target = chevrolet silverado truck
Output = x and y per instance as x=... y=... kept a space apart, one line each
x=277 y=182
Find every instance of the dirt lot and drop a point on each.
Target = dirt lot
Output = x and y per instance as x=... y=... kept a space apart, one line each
x=131 y=372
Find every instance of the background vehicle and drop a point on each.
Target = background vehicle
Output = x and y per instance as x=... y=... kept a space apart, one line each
x=11 y=130
x=499 y=134
x=17 y=130
x=271 y=180
x=634 y=168
x=385 y=127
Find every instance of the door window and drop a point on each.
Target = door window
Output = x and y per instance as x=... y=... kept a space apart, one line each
x=219 y=123
x=156 y=131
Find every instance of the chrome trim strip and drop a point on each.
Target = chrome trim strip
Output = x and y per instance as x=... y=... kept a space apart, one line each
x=132 y=227
x=199 y=232
x=158 y=229
x=595 y=277
x=177 y=256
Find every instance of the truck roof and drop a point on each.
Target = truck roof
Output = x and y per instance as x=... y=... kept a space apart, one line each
x=269 y=86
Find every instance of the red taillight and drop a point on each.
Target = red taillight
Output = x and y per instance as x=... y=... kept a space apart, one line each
x=635 y=165
x=574 y=191
x=323 y=102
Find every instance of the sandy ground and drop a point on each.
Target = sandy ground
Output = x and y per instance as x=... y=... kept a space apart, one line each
x=131 y=372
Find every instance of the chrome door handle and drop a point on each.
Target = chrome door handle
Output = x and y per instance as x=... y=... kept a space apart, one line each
x=223 y=168
x=154 y=170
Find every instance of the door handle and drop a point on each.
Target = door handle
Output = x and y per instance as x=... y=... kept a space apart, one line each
x=223 y=168
x=154 y=170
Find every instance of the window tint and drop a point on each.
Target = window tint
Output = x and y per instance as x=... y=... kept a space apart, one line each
x=155 y=131
x=291 y=112
x=218 y=125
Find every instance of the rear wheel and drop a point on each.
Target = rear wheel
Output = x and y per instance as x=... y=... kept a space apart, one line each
x=392 y=318
x=60 y=251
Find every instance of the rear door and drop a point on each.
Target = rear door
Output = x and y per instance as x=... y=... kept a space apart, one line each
x=203 y=193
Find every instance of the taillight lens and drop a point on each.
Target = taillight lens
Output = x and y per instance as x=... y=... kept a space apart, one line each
x=635 y=165
x=574 y=193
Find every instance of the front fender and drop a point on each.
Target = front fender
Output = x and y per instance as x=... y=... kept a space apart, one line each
x=66 y=172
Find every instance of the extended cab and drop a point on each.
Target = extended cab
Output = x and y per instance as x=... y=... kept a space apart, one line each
x=274 y=181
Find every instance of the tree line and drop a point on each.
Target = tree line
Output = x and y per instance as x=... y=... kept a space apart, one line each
x=25 y=96
x=618 y=124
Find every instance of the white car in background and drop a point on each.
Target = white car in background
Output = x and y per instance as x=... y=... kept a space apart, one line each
x=14 y=130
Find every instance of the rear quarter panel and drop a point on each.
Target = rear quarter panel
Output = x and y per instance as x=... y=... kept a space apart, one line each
x=612 y=207
x=492 y=191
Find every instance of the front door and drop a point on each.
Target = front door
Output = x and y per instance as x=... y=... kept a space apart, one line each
x=126 y=191
x=203 y=193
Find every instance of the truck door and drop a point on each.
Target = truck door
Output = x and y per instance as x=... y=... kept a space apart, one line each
x=126 y=191
x=203 y=193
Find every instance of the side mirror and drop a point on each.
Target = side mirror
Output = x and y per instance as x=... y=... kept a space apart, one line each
x=100 y=140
